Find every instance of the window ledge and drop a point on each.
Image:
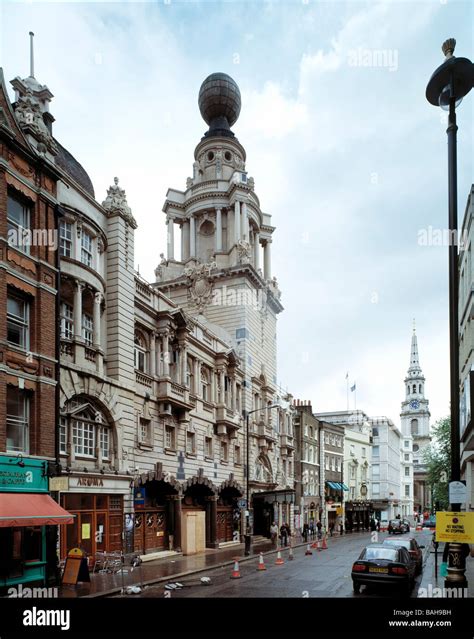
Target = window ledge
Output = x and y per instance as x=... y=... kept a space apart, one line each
x=209 y=459
x=191 y=455
x=224 y=462
x=170 y=451
x=145 y=446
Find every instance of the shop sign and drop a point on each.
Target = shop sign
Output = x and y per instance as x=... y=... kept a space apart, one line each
x=58 y=484
x=20 y=474
x=90 y=481
x=451 y=526
x=139 y=495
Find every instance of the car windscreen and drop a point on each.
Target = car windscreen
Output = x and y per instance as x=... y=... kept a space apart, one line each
x=395 y=521
x=381 y=553
x=398 y=542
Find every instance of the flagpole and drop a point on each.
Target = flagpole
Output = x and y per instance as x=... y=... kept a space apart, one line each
x=347 y=390
x=355 y=396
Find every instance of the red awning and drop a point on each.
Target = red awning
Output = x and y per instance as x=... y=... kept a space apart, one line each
x=31 y=509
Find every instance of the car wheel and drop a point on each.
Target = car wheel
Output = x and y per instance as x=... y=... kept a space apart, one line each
x=356 y=587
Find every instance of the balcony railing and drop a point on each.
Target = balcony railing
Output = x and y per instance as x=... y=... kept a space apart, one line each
x=143 y=379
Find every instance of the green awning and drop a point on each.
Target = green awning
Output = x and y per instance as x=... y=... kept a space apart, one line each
x=345 y=487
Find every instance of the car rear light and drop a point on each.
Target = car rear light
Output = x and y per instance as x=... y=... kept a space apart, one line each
x=398 y=570
x=358 y=567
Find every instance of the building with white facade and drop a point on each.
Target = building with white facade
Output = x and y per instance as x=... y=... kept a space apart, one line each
x=385 y=470
x=356 y=464
x=217 y=276
x=466 y=347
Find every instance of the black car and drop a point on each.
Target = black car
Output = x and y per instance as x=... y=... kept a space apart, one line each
x=384 y=565
x=413 y=548
x=398 y=526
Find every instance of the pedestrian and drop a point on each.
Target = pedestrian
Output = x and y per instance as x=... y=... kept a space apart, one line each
x=284 y=535
x=319 y=527
x=377 y=524
x=288 y=531
x=273 y=533
x=305 y=532
x=311 y=529
x=331 y=528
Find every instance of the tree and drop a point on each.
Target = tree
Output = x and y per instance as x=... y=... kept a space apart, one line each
x=437 y=458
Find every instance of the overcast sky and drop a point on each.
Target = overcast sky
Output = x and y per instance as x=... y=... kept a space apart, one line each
x=347 y=155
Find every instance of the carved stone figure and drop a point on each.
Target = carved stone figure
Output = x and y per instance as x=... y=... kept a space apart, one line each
x=116 y=202
x=29 y=116
x=200 y=283
x=244 y=251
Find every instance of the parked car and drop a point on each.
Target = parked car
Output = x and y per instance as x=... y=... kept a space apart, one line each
x=380 y=564
x=398 y=526
x=413 y=548
x=430 y=522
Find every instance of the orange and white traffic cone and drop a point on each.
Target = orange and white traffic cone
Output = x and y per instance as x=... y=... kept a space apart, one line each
x=279 y=560
x=314 y=544
x=325 y=543
x=261 y=563
x=236 y=572
x=308 y=550
x=290 y=554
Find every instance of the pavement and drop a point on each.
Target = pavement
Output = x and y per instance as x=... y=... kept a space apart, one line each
x=176 y=567
x=431 y=578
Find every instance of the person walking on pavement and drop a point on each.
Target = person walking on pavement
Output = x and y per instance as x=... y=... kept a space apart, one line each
x=284 y=535
x=319 y=527
x=274 y=533
x=331 y=528
x=311 y=529
x=305 y=532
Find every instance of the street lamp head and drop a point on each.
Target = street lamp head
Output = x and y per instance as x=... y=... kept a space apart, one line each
x=452 y=80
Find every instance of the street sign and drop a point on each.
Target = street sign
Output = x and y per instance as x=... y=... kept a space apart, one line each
x=451 y=526
x=457 y=492
x=242 y=503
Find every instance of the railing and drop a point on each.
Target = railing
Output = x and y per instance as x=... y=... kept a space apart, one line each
x=177 y=390
x=142 y=289
x=143 y=379
x=90 y=354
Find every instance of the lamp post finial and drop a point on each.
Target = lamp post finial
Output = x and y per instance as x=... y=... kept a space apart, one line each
x=448 y=47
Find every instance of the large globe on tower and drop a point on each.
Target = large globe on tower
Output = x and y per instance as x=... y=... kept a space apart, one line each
x=219 y=102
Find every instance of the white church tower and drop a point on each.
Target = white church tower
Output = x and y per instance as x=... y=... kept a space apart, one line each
x=218 y=268
x=415 y=424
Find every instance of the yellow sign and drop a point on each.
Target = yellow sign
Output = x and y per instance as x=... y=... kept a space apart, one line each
x=60 y=484
x=455 y=527
x=86 y=531
x=339 y=511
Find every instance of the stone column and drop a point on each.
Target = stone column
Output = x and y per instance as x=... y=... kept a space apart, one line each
x=192 y=237
x=197 y=376
x=237 y=221
x=96 y=319
x=213 y=386
x=244 y=223
x=185 y=241
x=218 y=230
x=78 y=310
x=222 y=385
x=183 y=358
x=159 y=368
x=267 y=262
x=152 y=355
x=256 y=250
x=234 y=393
x=166 y=354
x=170 y=223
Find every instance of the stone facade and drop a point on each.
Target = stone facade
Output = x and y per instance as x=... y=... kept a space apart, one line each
x=466 y=347
x=307 y=463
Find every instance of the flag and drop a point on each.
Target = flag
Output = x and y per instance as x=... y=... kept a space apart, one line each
x=353 y=388
x=347 y=375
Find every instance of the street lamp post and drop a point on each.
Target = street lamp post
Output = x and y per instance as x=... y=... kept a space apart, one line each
x=248 y=532
x=446 y=88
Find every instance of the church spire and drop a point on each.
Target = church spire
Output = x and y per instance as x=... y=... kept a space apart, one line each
x=414 y=359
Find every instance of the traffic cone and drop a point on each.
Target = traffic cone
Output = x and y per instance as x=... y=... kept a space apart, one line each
x=325 y=543
x=308 y=550
x=279 y=561
x=290 y=555
x=314 y=544
x=236 y=572
x=261 y=563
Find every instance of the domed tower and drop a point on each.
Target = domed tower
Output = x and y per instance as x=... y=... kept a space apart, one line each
x=218 y=274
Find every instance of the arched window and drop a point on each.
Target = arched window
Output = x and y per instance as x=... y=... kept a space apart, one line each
x=141 y=353
x=414 y=427
x=419 y=389
x=414 y=388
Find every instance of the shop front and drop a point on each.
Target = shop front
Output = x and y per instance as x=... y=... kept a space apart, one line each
x=26 y=514
x=274 y=506
x=98 y=503
x=358 y=514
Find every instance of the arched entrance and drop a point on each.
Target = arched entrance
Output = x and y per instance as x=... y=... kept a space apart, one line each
x=157 y=522
x=199 y=522
x=228 y=512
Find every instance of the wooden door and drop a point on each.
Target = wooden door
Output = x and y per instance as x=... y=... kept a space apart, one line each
x=155 y=536
x=224 y=524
